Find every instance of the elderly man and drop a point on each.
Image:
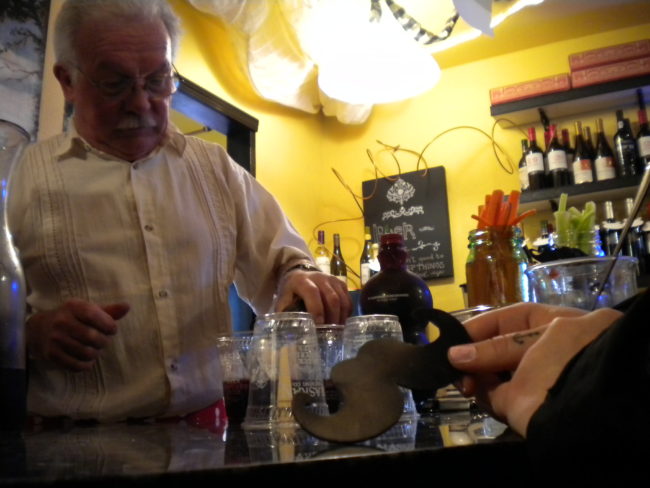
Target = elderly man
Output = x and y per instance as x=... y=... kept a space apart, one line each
x=130 y=233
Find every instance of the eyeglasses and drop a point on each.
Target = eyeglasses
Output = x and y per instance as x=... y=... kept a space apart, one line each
x=158 y=86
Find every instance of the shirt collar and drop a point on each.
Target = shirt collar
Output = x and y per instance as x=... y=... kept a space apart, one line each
x=75 y=146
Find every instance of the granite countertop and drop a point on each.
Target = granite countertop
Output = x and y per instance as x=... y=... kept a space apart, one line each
x=141 y=454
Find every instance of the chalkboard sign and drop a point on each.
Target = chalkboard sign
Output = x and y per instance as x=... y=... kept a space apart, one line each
x=415 y=205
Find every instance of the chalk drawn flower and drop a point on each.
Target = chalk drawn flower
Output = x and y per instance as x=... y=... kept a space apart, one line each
x=400 y=192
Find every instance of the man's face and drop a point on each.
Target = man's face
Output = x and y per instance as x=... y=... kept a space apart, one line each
x=128 y=126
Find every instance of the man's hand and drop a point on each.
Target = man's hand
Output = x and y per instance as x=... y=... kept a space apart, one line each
x=534 y=343
x=324 y=296
x=74 y=334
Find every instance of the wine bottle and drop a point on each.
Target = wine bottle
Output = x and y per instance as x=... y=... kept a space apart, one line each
x=625 y=147
x=643 y=135
x=589 y=143
x=635 y=241
x=558 y=167
x=643 y=138
x=542 y=242
x=566 y=142
x=337 y=263
x=320 y=254
x=366 y=257
x=375 y=267
x=523 y=171
x=581 y=166
x=612 y=229
x=646 y=238
x=604 y=160
x=535 y=163
x=397 y=291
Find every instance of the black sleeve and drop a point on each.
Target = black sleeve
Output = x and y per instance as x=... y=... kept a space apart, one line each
x=594 y=424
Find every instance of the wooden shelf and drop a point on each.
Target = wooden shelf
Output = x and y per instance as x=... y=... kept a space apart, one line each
x=614 y=189
x=612 y=95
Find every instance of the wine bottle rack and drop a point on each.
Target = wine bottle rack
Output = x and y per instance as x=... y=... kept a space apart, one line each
x=614 y=189
x=604 y=96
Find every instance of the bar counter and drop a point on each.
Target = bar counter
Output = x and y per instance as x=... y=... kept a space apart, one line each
x=466 y=446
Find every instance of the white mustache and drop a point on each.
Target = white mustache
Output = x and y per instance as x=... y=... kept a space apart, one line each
x=136 y=122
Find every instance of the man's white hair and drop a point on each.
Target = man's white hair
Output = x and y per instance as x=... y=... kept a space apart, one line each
x=74 y=14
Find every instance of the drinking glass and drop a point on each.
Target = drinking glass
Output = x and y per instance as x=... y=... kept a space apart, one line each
x=363 y=328
x=233 y=357
x=284 y=359
x=330 y=343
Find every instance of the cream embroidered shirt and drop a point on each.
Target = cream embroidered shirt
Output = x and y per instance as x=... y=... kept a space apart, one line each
x=168 y=234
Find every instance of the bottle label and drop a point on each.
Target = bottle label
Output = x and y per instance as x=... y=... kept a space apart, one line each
x=523 y=178
x=365 y=273
x=534 y=163
x=582 y=171
x=616 y=226
x=644 y=146
x=626 y=151
x=388 y=297
x=605 y=169
x=557 y=160
x=638 y=222
x=323 y=263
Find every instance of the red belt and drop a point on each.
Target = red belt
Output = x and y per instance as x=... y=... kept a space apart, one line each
x=212 y=417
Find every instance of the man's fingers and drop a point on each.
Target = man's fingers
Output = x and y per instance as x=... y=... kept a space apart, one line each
x=82 y=334
x=325 y=297
x=311 y=297
x=515 y=318
x=99 y=320
x=74 y=334
x=501 y=353
x=117 y=310
x=76 y=350
x=519 y=398
x=70 y=362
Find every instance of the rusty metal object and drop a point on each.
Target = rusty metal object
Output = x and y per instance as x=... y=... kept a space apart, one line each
x=369 y=383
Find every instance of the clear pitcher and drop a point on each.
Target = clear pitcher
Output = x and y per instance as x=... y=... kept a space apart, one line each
x=13 y=140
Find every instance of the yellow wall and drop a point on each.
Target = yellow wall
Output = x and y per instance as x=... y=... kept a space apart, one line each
x=288 y=142
x=296 y=151
x=461 y=98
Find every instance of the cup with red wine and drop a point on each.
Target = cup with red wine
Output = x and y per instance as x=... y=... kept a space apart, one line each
x=233 y=357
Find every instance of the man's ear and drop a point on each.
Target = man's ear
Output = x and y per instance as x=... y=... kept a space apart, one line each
x=64 y=76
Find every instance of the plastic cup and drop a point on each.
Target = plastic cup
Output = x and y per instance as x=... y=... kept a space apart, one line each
x=330 y=343
x=233 y=357
x=363 y=328
x=284 y=359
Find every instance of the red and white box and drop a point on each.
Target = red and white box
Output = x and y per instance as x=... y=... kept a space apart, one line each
x=611 y=72
x=609 y=54
x=532 y=88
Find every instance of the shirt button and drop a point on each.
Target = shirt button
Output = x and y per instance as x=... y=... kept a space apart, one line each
x=163 y=294
x=173 y=366
x=148 y=227
x=135 y=165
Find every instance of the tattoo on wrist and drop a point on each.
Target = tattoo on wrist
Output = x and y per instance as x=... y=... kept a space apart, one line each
x=521 y=338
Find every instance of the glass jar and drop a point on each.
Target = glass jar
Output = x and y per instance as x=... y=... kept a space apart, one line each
x=495 y=268
x=587 y=242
